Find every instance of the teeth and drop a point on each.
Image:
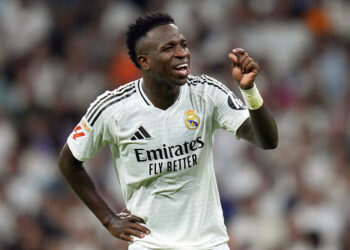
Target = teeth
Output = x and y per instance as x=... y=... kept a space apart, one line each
x=182 y=66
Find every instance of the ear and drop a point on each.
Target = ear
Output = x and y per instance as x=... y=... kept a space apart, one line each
x=143 y=61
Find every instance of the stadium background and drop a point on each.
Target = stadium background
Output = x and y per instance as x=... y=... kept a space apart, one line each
x=56 y=56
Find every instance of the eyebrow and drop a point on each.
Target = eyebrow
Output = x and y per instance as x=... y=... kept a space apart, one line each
x=172 y=42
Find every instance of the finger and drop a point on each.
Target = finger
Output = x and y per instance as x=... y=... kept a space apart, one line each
x=126 y=237
x=237 y=54
x=234 y=58
x=245 y=62
x=140 y=228
x=252 y=67
x=242 y=57
x=125 y=210
x=133 y=218
x=242 y=60
x=134 y=233
x=239 y=51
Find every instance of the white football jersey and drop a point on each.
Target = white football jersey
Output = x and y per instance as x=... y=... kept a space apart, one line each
x=163 y=158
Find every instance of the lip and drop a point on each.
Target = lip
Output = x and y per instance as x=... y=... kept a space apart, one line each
x=180 y=63
x=183 y=72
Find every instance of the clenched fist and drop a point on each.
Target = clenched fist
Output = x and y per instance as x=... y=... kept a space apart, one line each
x=244 y=68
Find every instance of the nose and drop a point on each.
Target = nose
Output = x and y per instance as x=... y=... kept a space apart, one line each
x=181 y=52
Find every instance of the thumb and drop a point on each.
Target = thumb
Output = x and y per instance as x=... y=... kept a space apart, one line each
x=233 y=57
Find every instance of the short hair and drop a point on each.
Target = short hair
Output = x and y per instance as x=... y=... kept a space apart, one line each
x=141 y=27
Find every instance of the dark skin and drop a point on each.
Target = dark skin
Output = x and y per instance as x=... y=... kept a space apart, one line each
x=260 y=128
x=120 y=225
x=159 y=52
x=163 y=48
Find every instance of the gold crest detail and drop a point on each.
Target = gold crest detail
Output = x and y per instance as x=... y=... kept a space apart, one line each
x=192 y=121
x=85 y=125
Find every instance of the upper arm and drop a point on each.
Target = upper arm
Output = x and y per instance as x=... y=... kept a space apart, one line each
x=260 y=129
x=229 y=112
x=245 y=131
x=92 y=133
x=67 y=158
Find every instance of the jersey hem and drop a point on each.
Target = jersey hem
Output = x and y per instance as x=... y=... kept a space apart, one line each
x=152 y=246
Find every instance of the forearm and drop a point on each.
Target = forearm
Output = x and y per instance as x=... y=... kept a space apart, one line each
x=84 y=187
x=264 y=128
x=122 y=225
x=260 y=128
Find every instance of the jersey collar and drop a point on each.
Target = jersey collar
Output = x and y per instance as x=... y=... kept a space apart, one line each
x=145 y=98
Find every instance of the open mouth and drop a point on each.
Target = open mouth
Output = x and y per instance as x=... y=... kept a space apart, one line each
x=182 y=69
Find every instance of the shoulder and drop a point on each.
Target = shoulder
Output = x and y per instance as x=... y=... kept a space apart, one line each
x=205 y=83
x=209 y=88
x=106 y=103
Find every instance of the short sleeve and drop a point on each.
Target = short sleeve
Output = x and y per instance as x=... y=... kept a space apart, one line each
x=229 y=110
x=91 y=134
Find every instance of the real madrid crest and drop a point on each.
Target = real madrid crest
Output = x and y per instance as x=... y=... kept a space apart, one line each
x=192 y=121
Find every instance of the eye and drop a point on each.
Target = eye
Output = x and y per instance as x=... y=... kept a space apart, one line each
x=168 y=48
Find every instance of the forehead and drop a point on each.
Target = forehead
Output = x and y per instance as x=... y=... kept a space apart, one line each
x=167 y=31
x=162 y=35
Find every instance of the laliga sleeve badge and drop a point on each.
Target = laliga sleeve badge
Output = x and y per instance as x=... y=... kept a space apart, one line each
x=80 y=130
x=192 y=121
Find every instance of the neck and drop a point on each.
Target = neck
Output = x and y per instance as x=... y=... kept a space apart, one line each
x=162 y=95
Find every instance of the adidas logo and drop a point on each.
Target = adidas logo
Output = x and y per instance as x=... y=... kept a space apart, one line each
x=141 y=133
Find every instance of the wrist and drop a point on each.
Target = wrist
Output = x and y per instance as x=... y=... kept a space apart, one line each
x=107 y=220
x=246 y=87
x=252 y=97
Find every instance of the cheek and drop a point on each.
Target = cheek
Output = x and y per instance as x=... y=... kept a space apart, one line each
x=163 y=63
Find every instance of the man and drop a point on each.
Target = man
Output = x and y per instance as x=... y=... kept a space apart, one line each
x=160 y=129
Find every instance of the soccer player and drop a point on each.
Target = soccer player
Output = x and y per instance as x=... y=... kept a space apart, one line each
x=160 y=132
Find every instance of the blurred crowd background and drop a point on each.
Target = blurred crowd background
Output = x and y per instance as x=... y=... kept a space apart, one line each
x=56 y=56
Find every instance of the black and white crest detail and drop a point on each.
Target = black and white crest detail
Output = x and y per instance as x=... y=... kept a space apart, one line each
x=234 y=102
x=140 y=134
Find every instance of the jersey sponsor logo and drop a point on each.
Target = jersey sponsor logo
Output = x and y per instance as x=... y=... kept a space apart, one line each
x=170 y=158
x=192 y=121
x=235 y=103
x=168 y=152
x=140 y=134
x=77 y=132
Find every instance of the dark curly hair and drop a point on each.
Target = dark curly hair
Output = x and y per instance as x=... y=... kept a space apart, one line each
x=140 y=28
